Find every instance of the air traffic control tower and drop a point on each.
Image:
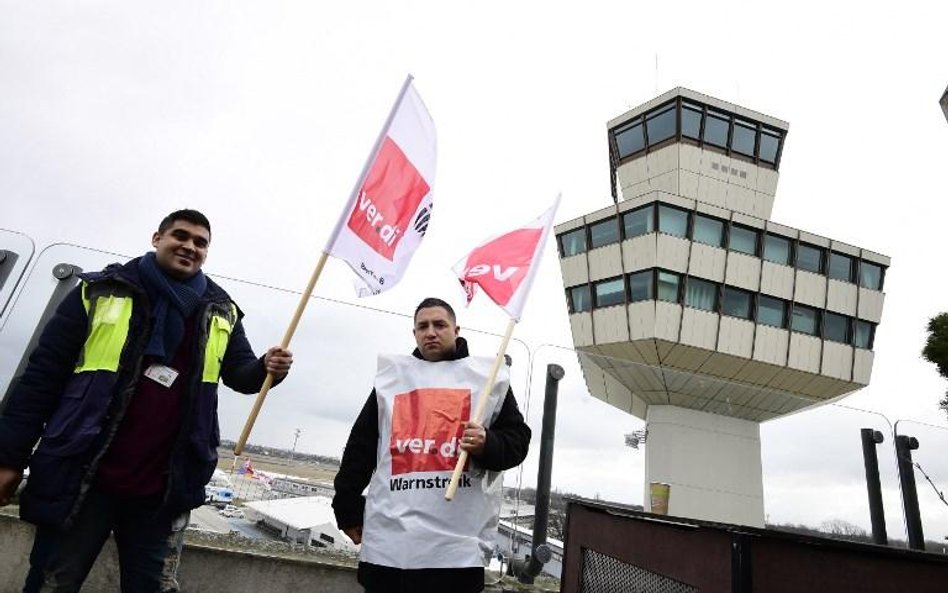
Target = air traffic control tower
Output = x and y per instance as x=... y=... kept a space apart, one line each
x=692 y=310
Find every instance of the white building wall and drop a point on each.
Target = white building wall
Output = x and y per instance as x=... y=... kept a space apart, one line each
x=707 y=262
x=581 y=326
x=837 y=361
x=667 y=321
x=870 y=305
x=862 y=365
x=604 y=262
x=804 y=352
x=841 y=297
x=642 y=320
x=610 y=325
x=771 y=345
x=736 y=337
x=575 y=269
x=673 y=253
x=699 y=328
x=712 y=463
x=777 y=280
x=810 y=289
x=743 y=271
x=640 y=253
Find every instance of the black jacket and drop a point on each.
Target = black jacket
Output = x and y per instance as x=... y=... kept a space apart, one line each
x=508 y=438
x=78 y=414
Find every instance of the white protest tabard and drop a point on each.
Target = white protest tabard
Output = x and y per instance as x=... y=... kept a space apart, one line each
x=422 y=409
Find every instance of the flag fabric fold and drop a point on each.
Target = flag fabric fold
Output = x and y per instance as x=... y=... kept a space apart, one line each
x=504 y=267
x=390 y=207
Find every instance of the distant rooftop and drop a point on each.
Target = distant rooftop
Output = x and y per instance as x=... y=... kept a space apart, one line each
x=299 y=513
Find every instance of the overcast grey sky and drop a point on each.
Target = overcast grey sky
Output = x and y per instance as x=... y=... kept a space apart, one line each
x=261 y=115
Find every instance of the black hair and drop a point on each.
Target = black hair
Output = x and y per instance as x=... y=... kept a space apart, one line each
x=435 y=302
x=187 y=215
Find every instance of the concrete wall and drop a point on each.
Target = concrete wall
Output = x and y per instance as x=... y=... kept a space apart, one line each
x=202 y=569
x=207 y=569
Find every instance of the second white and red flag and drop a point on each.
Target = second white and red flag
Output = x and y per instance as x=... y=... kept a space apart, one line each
x=505 y=266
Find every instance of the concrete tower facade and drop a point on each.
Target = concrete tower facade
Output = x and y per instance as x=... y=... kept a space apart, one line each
x=692 y=310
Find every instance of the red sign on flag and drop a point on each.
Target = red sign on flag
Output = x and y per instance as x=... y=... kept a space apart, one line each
x=389 y=210
x=427 y=425
x=392 y=191
x=506 y=265
x=501 y=265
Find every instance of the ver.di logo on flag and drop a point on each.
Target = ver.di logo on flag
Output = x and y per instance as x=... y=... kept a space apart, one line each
x=501 y=265
x=426 y=429
x=387 y=201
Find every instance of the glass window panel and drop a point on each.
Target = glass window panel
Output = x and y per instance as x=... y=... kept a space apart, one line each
x=745 y=136
x=673 y=221
x=716 y=128
x=771 y=311
x=573 y=242
x=640 y=286
x=691 y=122
x=835 y=327
x=870 y=275
x=638 y=222
x=863 y=335
x=610 y=292
x=701 y=294
x=737 y=303
x=660 y=126
x=810 y=258
x=769 y=145
x=777 y=249
x=805 y=320
x=840 y=267
x=630 y=139
x=709 y=231
x=743 y=239
x=579 y=298
x=603 y=233
x=668 y=286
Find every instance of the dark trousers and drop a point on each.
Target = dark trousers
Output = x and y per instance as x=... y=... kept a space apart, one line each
x=148 y=539
x=385 y=579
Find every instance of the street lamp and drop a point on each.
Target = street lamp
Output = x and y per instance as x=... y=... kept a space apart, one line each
x=636 y=438
x=295 y=439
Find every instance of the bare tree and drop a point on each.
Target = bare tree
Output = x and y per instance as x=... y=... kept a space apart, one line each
x=843 y=528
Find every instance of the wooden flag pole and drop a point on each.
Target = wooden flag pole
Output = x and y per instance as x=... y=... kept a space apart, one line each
x=479 y=412
x=268 y=382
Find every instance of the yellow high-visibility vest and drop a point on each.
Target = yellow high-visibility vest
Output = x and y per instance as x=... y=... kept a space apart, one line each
x=109 y=309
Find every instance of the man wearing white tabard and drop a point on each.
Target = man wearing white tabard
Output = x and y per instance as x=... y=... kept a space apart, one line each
x=404 y=446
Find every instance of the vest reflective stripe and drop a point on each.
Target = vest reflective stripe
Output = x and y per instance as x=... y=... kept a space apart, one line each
x=108 y=330
x=218 y=336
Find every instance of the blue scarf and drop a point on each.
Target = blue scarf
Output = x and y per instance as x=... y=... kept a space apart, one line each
x=172 y=302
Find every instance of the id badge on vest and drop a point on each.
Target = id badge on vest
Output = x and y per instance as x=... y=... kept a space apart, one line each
x=161 y=374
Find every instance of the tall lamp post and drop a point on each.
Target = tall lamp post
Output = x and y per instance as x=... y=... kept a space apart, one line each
x=295 y=440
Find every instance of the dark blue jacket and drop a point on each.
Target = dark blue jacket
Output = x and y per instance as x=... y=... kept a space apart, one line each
x=77 y=415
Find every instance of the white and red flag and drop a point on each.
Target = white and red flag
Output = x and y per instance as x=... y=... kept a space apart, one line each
x=390 y=206
x=504 y=267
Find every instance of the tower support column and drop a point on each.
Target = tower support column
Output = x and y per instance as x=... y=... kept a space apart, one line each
x=711 y=462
